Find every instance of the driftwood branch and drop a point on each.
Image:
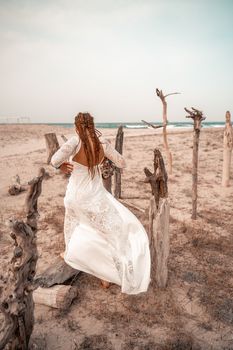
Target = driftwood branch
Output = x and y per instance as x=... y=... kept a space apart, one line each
x=197 y=117
x=17 y=187
x=158 y=179
x=35 y=188
x=173 y=93
x=162 y=97
x=16 y=299
x=52 y=145
x=158 y=221
x=153 y=126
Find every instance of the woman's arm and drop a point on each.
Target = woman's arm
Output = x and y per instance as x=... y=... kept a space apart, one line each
x=112 y=154
x=64 y=152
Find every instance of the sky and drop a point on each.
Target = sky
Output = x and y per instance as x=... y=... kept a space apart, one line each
x=107 y=57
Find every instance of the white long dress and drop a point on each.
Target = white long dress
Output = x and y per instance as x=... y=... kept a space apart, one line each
x=102 y=236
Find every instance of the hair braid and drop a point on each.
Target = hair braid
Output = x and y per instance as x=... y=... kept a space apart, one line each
x=84 y=123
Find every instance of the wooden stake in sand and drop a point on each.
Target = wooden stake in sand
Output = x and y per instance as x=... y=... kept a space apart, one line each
x=197 y=117
x=119 y=148
x=165 y=142
x=158 y=221
x=16 y=299
x=52 y=145
x=227 y=150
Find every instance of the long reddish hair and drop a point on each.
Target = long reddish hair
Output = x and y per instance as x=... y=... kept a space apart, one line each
x=85 y=126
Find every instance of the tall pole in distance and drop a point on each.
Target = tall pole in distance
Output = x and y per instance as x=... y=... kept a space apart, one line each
x=197 y=117
x=227 y=150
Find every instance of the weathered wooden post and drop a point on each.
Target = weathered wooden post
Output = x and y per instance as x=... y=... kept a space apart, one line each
x=197 y=117
x=165 y=142
x=158 y=221
x=52 y=145
x=227 y=150
x=16 y=298
x=117 y=176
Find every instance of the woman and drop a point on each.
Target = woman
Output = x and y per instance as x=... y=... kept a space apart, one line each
x=102 y=236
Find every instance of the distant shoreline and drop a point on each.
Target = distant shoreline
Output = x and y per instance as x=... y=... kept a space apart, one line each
x=172 y=126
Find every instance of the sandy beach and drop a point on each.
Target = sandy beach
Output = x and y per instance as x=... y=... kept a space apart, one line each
x=195 y=310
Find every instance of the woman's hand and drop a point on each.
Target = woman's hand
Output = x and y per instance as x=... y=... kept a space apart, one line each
x=66 y=168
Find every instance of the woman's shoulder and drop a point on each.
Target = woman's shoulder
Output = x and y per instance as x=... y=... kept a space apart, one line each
x=74 y=139
x=73 y=143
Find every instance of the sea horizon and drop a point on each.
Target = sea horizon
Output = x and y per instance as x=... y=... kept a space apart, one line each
x=127 y=125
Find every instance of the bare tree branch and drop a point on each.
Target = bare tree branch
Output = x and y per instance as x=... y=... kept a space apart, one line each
x=153 y=126
x=172 y=93
x=165 y=141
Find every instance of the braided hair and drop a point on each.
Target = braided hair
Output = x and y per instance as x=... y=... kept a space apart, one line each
x=85 y=126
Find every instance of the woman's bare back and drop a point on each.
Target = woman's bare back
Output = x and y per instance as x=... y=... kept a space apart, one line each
x=81 y=158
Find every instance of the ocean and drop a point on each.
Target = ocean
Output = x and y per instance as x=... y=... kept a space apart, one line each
x=115 y=125
x=131 y=125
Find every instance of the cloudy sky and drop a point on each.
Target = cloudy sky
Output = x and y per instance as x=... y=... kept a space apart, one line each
x=108 y=57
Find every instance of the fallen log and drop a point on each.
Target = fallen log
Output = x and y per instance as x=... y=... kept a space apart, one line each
x=57 y=273
x=57 y=296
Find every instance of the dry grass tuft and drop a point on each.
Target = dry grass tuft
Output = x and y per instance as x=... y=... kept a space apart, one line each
x=95 y=342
